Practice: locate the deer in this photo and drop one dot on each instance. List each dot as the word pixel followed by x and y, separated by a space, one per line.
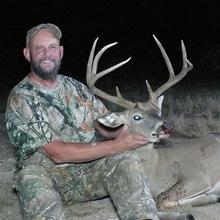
pixel 180 177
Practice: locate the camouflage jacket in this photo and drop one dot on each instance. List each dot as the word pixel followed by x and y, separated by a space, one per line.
pixel 36 116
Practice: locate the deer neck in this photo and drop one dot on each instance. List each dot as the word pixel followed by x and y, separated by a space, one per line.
pixel 148 153
pixel 153 153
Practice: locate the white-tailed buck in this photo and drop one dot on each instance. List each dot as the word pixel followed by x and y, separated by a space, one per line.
pixel 180 177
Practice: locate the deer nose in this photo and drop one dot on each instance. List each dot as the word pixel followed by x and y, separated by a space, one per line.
pixel 154 135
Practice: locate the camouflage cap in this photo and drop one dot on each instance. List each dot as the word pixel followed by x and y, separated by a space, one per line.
pixel 48 26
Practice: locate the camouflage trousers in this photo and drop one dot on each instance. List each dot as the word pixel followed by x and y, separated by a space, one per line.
pixel 44 192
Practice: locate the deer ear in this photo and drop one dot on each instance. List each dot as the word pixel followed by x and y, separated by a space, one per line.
pixel 112 120
pixel 159 103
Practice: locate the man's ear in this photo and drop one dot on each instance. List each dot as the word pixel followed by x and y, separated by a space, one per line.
pixel 26 53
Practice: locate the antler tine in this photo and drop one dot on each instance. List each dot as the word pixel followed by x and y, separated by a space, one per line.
pixel 173 79
pixel 92 76
pixel 90 62
pixel 165 56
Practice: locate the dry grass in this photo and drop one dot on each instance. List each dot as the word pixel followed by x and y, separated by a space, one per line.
pixel 194 113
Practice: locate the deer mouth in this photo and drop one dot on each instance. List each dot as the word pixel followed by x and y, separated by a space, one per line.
pixel 165 132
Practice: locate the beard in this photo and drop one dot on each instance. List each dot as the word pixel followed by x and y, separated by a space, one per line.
pixel 45 74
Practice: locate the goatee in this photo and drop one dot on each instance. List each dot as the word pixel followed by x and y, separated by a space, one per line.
pixel 46 74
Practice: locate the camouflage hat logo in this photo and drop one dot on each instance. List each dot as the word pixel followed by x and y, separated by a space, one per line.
pixel 48 26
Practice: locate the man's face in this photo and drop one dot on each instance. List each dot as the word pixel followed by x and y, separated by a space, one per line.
pixel 45 55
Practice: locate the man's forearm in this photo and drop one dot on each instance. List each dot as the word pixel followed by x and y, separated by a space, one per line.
pixel 61 152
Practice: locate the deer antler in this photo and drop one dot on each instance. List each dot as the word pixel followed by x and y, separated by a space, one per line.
pixel 173 79
pixel 92 76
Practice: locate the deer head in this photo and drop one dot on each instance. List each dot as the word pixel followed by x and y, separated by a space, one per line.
pixel 141 117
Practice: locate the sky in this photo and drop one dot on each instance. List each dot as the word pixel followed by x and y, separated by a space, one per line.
pixel 130 23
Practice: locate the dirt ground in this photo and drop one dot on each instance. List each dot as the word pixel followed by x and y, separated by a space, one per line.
pixel 9 204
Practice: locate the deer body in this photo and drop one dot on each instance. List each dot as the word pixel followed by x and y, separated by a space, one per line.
pixel 178 173
pixel 182 171
pixel 182 174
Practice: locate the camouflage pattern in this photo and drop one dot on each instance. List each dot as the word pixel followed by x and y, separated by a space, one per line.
pixel 35 117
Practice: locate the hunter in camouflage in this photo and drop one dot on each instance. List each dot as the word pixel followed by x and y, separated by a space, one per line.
pixel 36 116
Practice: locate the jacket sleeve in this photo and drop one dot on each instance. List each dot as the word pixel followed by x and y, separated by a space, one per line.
pixel 24 126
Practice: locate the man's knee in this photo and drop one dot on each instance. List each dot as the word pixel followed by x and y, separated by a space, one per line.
pixel 37 195
pixel 32 170
pixel 128 162
pixel 129 158
pixel 31 179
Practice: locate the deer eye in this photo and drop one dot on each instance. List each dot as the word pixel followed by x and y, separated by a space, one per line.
pixel 137 117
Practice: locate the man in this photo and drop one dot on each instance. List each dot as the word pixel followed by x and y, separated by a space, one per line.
pixel 50 119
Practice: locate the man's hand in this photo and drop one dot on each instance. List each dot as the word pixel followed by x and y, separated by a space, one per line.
pixel 128 141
